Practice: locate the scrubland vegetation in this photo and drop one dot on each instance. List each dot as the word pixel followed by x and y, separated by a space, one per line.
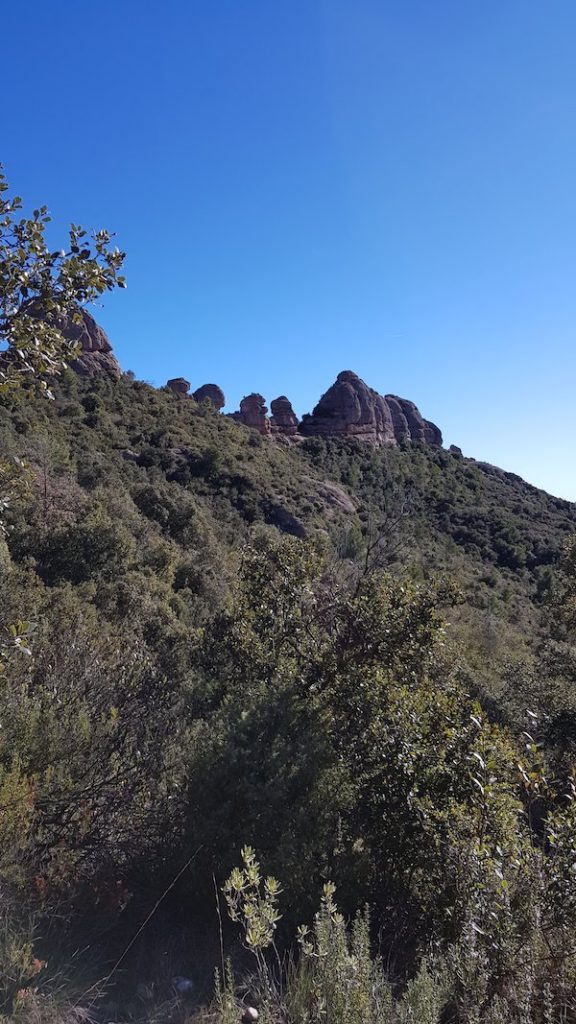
pixel 301 714
pixel 377 701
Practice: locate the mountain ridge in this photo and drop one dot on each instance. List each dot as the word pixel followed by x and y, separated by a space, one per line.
pixel 349 407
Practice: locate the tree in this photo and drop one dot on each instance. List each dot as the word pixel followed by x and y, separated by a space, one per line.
pixel 41 289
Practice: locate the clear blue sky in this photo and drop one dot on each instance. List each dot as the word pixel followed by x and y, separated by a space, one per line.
pixel 305 186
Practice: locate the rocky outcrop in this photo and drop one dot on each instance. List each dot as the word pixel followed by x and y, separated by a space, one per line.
pixel 253 413
pixel 179 385
pixel 211 393
pixel 413 418
pixel 348 409
pixel 95 351
pixel 283 419
pixel 352 409
pixel 399 422
pixel 207 392
pixel 420 431
pixel 333 496
pixel 96 355
pixel 432 434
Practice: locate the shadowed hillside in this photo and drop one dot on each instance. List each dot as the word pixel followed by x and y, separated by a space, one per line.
pixel 219 638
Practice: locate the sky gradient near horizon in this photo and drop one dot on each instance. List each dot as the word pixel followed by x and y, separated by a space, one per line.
pixel 306 186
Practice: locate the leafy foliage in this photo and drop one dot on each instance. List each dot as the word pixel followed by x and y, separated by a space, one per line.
pixel 40 289
pixel 359 662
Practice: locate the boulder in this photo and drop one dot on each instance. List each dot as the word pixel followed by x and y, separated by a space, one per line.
pixel 253 413
pixel 283 419
pixel 211 393
pixel 179 385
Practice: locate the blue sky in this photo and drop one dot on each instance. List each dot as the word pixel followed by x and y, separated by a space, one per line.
pixel 305 186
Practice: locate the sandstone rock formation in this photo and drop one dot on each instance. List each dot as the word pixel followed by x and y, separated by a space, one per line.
pixel 212 393
pixel 253 413
pixel 420 431
pixel 96 355
pixel 351 409
pixel 401 429
pixel 179 385
pixel 348 409
pixel 432 434
pixel 283 419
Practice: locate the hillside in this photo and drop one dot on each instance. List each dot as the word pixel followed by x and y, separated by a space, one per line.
pixel 133 488
pixel 216 618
